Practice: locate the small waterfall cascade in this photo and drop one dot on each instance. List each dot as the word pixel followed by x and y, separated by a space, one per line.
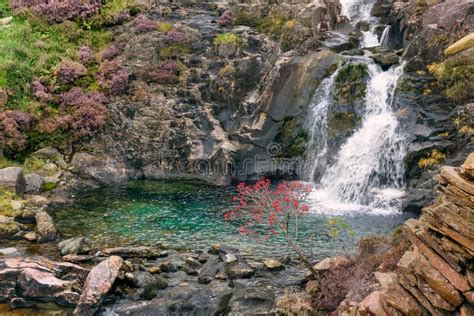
pixel 384 37
pixel 357 11
pixel 366 172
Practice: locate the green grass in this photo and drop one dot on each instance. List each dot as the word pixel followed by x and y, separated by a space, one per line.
pixel 31 48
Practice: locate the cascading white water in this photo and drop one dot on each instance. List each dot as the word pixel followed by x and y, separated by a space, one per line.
pixel 384 37
pixel 357 11
pixel 367 173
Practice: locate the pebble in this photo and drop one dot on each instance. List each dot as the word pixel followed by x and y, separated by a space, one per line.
pixel 229 258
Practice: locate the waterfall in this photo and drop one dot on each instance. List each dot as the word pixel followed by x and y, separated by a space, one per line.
pixel 367 171
pixel 357 11
pixel 384 37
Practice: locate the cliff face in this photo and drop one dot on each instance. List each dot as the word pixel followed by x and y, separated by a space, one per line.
pixel 233 103
pixel 436 275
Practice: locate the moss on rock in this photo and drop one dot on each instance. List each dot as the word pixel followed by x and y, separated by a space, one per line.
pixel 455 77
pixel 351 83
pixel 292 138
pixel 341 123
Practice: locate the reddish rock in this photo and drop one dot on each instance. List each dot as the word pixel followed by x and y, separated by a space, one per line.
pixel 373 305
pixel 97 285
pixel 40 279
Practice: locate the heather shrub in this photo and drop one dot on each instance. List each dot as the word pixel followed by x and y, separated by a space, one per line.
pixel 54 123
pixel 13 124
pixel 175 36
pixel 88 118
pixel 57 12
pixel 87 112
pixel 374 253
pixel 41 91
pixel 85 55
pixel 144 24
pixel 167 73
pixel 111 51
pixel 69 71
pixel 226 19
pixel 76 97
pixel 119 83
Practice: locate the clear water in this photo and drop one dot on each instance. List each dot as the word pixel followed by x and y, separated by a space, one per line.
pixel 189 215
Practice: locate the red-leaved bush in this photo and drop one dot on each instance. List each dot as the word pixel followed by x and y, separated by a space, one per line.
pixel 69 71
pixel 226 19
pixel 144 24
pixel 58 11
pixel 263 212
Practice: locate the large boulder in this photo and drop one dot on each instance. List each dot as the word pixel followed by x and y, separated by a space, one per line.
pixel 76 245
pixel 97 285
pixel 34 183
pixel 40 279
pixel 320 15
pixel 103 170
pixel 13 178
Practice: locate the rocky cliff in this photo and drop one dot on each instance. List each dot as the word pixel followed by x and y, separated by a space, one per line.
pixel 435 276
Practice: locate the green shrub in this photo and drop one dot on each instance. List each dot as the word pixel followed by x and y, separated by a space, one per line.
pixel 456 78
pixel 227 39
pixel 49 186
pixel 172 51
pixel 433 159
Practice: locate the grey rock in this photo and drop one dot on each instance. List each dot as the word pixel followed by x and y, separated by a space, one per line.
pixel 208 271
pixel 133 252
pixel 10 252
pixel 13 178
pixel 76 245
pixel 103 170
pixel 149 284
pixel 273 265
pixel 385 60
pixel 45 226
pixel 239 269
